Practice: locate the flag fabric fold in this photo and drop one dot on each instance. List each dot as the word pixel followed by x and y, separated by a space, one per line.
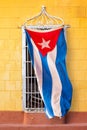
pixel 48 54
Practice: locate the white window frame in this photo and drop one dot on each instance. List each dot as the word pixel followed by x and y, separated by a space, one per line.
pixel 24 76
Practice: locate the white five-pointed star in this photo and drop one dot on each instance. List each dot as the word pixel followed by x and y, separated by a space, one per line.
pixel 44 44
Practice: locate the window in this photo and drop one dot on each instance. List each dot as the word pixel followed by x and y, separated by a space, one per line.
pixel 32 101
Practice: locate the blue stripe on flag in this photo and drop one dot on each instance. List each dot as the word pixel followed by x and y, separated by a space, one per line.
pixel 30 47
pixel 47 85
pixel 66 95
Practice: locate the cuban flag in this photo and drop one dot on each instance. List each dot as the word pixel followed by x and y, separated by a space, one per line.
pixel 48 54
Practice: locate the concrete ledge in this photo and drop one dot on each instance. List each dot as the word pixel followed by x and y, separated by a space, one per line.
pixel 38 121
pixel 43 127
pixel 19 117
pixel 76 117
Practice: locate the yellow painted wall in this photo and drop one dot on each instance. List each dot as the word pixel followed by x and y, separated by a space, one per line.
pixel 12 14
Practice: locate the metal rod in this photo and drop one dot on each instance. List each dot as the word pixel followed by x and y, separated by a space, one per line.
pixel 35 27
pixel 43 11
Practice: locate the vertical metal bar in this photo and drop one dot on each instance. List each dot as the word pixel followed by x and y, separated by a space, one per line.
pixel 35 92
pixel 38 101
pixel 31 86
pixel 31 96
pixel 24 67
pixel 27 74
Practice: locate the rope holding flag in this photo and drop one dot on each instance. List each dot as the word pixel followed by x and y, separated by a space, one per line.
pixel 48 55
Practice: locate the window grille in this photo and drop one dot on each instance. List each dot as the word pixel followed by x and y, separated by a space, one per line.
pixel 32 101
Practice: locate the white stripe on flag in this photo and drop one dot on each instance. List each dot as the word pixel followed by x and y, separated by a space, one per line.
pixel 37 66
pixel 56 83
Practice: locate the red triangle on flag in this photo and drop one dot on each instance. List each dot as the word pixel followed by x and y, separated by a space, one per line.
pixel 45 41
